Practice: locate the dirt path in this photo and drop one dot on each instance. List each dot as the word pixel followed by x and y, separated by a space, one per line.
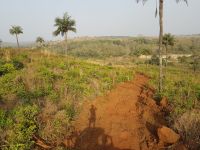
pixel 124 119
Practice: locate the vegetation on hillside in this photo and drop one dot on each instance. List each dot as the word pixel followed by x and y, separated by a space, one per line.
pixel 182 89
pixel 101 48
pixel 40 94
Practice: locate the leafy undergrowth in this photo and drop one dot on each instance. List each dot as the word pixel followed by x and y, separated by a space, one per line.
pixel 182 88
pixel 40 94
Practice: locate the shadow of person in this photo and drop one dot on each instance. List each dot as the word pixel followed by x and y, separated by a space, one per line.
pixel 89 139
pixel 94 139
pixel 92 118
pixel 107 142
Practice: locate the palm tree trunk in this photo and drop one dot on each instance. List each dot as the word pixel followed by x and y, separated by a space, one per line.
pixel 166 55
pixel 66 42
pixel 160 45
pixel 17 40
pixel 146 61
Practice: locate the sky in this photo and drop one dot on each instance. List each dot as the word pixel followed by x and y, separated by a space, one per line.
pixel 97 18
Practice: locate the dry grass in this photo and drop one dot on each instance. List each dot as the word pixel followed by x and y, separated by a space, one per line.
pixel 188 126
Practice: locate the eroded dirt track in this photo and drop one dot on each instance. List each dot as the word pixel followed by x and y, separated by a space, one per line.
pixel 124 119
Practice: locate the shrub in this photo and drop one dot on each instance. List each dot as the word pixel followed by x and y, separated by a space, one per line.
pixel 17 64
pixel 188 126
pixel 53 96
pixel 28 96
pixel 5 121
pixel 8 84
pixel 157 97
pixel 56 127
pixel 6 68
pixel 70 111
pixel 20 137
pixel 197 92
pixel 154 60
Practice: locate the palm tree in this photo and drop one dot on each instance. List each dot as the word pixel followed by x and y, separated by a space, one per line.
pixel 16 30
pixel 168 40
pixel 1 42
pixel 64 25
pixel 161 3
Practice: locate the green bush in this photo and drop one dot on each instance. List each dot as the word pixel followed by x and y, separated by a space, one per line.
pixel 154 60
pixel 197 92
pixel 17 64
pixel 5 121
pixel 8 85
pixel 23 129
pixel 28 96
pixel 53 96
pixel 6 68
pixel 70 111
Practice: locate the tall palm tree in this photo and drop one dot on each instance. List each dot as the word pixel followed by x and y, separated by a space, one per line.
pixel 168 40
pixel 64 25
pixel 161 3
pixel 16 30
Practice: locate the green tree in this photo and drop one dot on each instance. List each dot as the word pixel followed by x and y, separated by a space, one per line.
pixel 24 127
pixel 161 4
pixel 64 25
pixel 195 61
pixel 39 41
pixel 16 30
pixel 168 40
pixel 146 52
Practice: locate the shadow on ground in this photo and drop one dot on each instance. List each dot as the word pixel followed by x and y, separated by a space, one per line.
pixel 91 138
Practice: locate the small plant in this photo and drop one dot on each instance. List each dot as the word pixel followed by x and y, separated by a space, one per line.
pixel 70 111
pixel 157 97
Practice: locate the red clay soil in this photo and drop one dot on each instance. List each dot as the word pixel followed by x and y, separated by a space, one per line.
pixel 125 119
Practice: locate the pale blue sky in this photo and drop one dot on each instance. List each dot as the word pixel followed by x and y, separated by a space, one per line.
pixel 96 17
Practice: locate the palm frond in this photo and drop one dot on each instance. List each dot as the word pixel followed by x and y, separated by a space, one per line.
pixel 56 32
pixel 16 30
pixel 186 1
pixel 143 1
pixel 73 29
